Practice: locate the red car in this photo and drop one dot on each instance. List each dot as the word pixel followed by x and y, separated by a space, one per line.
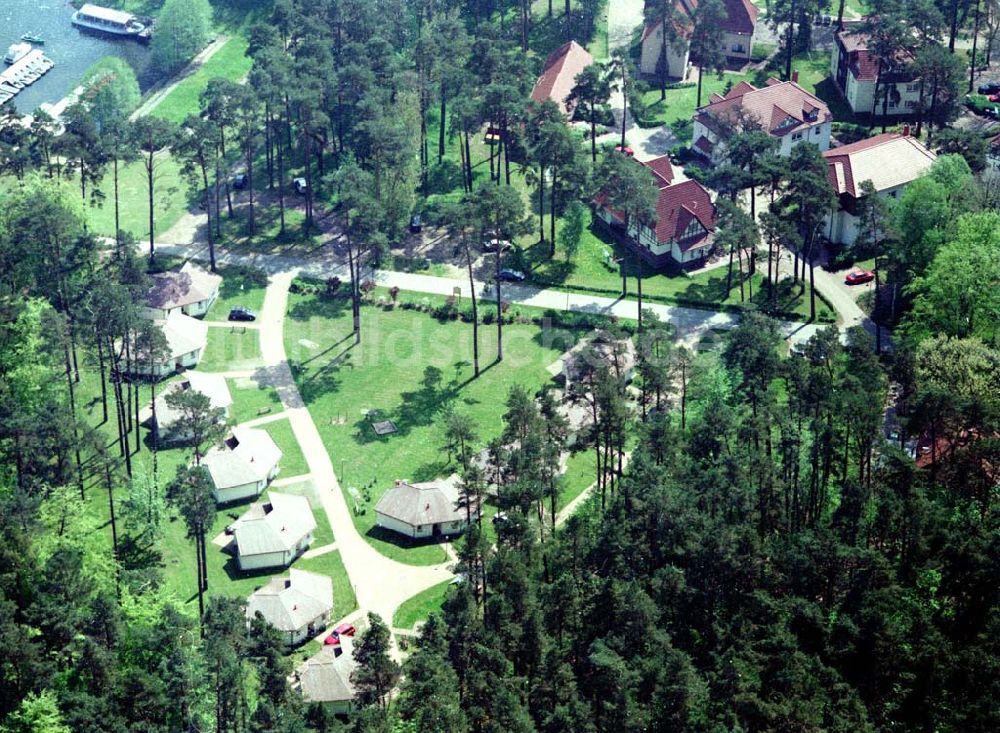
pixel 628 152
pixel 332 640
pixel 345 630
pixel 994 97
pixel 856 277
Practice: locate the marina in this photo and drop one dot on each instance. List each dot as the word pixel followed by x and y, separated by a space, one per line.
pixel 73 49
pixel 27 68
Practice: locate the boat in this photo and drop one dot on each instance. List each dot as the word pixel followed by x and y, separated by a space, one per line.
pixel 33 38
pixel 112 22
pixel 16 52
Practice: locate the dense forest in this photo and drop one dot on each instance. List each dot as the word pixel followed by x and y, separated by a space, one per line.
pixel 776 542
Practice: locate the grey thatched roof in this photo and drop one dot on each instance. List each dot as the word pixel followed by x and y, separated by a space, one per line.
pixel 326 677
pixel 417 504
pixel 178 289
pixel 275 525
pixel 291 603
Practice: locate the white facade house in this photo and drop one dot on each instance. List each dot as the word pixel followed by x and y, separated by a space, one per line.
pixel 739 27
pixel 684 227
pixel 326 677
pixel 243 465
pixel 274 532
pixel 213 386
pixel 298 606
pixel 786 111
pixel 855 70
pixel 421 510
pixel 891 161
pixel 186 338
pixel 191 290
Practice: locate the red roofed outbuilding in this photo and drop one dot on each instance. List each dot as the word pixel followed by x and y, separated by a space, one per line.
pixel 739 27
pixel 559 75
pixel 684 229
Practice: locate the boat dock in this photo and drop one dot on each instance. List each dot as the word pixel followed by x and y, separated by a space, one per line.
pixel 23 73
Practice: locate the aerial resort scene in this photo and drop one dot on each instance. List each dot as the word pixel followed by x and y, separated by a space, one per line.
pixel 499 366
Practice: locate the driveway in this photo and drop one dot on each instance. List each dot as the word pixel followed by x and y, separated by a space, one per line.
pixel 623 18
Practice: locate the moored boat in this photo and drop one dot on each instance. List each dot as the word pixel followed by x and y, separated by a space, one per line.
pixel 33 38
pixel 112 22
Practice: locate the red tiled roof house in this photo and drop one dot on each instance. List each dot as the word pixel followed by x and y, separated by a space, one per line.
pixel 684 230
pixel 559 75
pixel 785 110
pixel 854 68
pixel 739 26
pixel 891 161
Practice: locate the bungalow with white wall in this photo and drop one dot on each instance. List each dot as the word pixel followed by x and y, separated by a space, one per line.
pixel 684 228
pixel 855 70
pixel 186 338
pixel 298 606
pixel 418 510
pixel 243 465
pixel 213 386
pixel 191 290
pixel 325 677
pixel 739 26
pixel 273 533
pixel 783 109
pixel 890 161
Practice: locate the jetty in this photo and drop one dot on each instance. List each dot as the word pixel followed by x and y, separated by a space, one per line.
pixel 23 73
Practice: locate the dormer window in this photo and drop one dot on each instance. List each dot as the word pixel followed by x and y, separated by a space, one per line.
pixel 693 229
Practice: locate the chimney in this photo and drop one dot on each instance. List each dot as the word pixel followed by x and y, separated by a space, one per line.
pixel 795 76
pixel 906 130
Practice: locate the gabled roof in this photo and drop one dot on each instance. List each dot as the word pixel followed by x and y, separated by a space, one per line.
pixel 887 160
pixel 741 17
pixel 326 676
pixel 213 386
pixel 275 525
pixel 560 72
pixel 417 504
pixel 290 603
pixel 677 205
pixel 781 107
pixel 247 456
pixel 176 289
pixel 862 63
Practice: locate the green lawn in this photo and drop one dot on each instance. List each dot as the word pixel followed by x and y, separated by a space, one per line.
pixel 229 62
pixel 581 472
pixel 680 104
pixel 229 348
pixel 252 400
pixel 170 199
pixel 590 270
pixel 293 462
pixel 238 288
pixel 420 606
pixel 411 368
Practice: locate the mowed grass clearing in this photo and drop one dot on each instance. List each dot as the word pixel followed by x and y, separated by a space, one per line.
pixel 412 369
pixel 229 62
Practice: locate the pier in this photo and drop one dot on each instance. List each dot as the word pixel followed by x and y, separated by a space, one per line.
pixel 23 73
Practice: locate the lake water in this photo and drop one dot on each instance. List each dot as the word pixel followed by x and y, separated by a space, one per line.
pixel 73 51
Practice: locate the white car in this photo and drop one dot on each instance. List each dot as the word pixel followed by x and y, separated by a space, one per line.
pixel 300 185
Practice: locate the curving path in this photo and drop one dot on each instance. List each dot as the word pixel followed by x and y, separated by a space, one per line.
pixel 380 584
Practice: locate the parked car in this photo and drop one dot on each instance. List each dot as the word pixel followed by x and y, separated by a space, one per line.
pixel 332 640
pixel 494 245
pixel 992 87
pixel 858 276
pixel 240 181
pixel 511 276
pixel 994 97
pixel 415 224
pixel 625 150
pixel 242 313
pixel 300 186
pixel 345 630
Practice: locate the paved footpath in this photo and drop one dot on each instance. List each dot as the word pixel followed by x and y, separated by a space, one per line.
pixel 380 584
pixel 689 323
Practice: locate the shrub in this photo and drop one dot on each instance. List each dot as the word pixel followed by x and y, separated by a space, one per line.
pixel 332 285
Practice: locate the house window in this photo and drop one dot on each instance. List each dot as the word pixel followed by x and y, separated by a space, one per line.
pixel 913 87
pixel 797 136
pixel 911 105
pixel 816 131
pixel 738 48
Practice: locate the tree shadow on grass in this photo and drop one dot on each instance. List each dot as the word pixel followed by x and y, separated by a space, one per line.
pixel 713 290
pixel 319 306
